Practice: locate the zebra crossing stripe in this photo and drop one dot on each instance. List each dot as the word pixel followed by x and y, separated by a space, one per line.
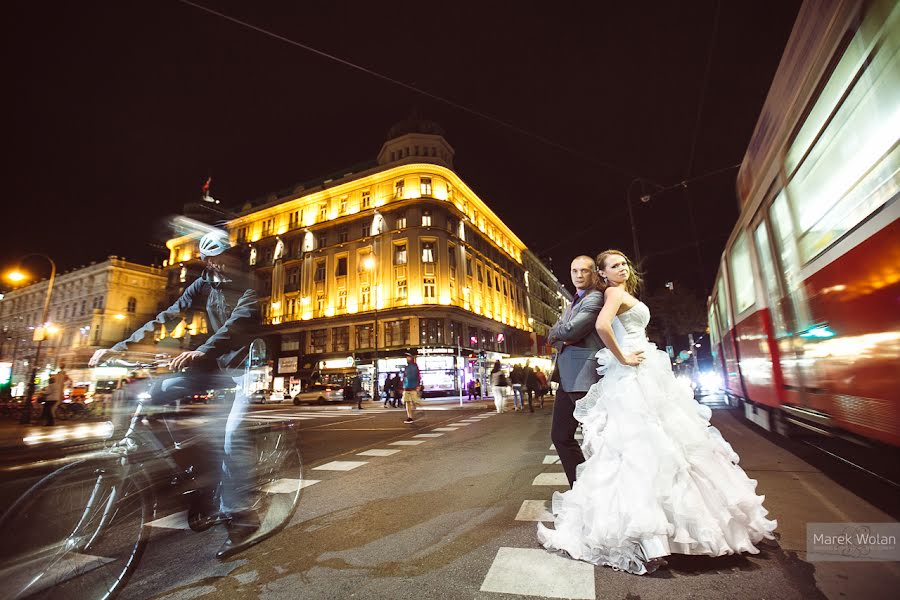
pixel 288 486
pixel 177 520
pixel 536 572
pixel 340 465
pixel 556 479
pixel 535 510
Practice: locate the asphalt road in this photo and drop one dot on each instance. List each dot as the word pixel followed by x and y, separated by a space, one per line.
pixel 453 514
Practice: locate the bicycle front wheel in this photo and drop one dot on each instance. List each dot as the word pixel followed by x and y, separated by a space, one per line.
pixel 279 477
pixel 79 532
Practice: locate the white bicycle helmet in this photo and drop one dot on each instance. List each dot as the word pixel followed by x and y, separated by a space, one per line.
pixel 214 243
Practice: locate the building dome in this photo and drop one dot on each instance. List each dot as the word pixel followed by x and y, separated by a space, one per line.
pixel 415 139
pixel 414 124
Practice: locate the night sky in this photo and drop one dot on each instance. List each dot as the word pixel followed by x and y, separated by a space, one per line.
pixel 121 109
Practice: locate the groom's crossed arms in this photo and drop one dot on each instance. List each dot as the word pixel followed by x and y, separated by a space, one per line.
pixel 578 322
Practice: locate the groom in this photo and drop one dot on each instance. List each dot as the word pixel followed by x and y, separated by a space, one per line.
pixel 576 340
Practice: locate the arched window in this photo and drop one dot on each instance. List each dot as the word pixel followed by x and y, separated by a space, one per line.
pixel 132 305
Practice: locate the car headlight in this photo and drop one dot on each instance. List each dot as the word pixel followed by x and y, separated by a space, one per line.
pixel 711 380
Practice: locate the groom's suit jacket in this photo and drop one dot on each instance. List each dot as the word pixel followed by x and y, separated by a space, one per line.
pixel 575 335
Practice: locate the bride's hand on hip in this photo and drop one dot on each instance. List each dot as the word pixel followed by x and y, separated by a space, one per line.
pixel 633 359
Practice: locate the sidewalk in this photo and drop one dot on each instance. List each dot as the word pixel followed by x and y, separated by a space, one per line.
pixel 452 403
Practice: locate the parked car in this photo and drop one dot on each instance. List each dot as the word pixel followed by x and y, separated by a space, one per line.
pixel 260 396
pixel 319 394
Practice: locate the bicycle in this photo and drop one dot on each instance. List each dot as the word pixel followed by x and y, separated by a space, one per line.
pixel 81 530
pixel 78 410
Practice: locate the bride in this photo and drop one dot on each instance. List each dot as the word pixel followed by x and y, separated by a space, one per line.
pixel 657 479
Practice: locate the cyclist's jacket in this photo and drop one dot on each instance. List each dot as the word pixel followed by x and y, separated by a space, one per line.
pixel 232 317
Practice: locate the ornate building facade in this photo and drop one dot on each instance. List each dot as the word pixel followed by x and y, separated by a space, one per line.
pixel 91 307
pixel 401 254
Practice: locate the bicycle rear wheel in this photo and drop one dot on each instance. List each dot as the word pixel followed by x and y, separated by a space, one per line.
pixel 79 532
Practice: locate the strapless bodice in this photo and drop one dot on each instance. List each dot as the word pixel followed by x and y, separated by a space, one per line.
pixel 634 321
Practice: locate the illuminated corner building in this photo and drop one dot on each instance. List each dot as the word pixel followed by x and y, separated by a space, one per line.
pixel 90 307
pixel 402 241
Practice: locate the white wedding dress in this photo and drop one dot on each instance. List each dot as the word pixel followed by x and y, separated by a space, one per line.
pixel 657 478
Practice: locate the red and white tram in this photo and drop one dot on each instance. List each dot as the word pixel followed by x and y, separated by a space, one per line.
pixel 805 312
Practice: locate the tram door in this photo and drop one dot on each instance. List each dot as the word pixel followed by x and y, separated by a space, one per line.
pixel 780 266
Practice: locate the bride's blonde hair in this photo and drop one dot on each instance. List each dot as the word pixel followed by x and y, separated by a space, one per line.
pixel 633 283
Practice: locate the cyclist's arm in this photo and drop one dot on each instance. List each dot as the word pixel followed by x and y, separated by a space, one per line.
pixel 236 331
pixel 165 317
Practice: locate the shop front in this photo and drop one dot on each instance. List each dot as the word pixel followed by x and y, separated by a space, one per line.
pixel 442 370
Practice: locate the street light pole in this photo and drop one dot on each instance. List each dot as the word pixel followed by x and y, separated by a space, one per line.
pixel 371 265
pixel 29 390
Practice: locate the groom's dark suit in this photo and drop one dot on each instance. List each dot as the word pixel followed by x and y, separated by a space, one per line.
pixel 577 340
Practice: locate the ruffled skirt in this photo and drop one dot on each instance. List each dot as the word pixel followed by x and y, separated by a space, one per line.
pixel 657 480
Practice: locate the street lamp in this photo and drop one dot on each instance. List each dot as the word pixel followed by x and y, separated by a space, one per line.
pixel 40 333
pixel 369 264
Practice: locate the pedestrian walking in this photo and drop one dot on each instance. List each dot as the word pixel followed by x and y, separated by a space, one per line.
pixel 48 401
pixel 531 385
pixel 499 384
pixel 397 391
pixel 357 390
pixel 62 380
pixel 545 386
pixel 517 378
pixel 470 388
pixel 388 390
pixel 412 382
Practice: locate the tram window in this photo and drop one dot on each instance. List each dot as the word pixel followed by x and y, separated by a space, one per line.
pixel 724 315
pixel 770 278
pixel 786 249
pixel 741 275
pixel 851 170
pixel 713 326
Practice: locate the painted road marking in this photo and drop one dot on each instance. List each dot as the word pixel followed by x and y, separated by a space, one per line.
pixel 536 572
pixel 407 443
pixel 551 479
pixel 535 510
pixel 340 465
pixel 288 486
pixel 177 520
pixel 379 452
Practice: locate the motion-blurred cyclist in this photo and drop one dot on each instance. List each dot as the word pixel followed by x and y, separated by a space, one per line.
pixel 225 294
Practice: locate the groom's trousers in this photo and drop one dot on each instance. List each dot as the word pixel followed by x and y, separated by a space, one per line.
pixel 562 432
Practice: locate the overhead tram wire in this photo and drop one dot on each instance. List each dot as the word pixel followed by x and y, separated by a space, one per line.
pixel 412 88
pixel 646 197
pixel 700 105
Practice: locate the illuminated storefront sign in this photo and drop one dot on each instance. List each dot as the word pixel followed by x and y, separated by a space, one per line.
pixel 5 372
pixel 338 363
pixel 287 365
